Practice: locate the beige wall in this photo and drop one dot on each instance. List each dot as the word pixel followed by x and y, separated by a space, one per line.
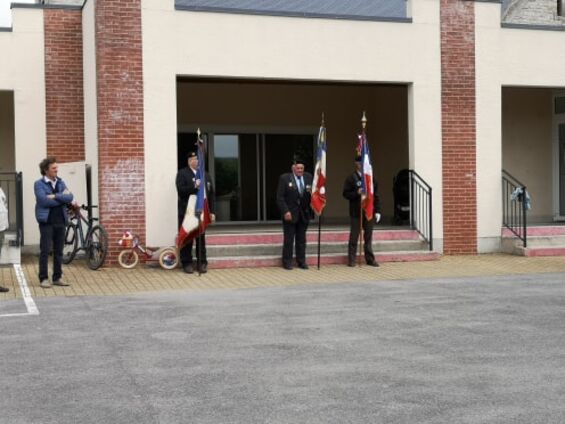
pixel 7 145
pixel 527 145
pixel 508 57
pixel 299 107
pixel 192 44
pixel 22 71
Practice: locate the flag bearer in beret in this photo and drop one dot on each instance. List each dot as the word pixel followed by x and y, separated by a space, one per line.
pixel 188 182
pixel 352 192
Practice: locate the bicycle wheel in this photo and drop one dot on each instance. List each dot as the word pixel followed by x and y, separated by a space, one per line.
pixel 169 259
pixel 97 247
pixel 128 258
pixel 70 246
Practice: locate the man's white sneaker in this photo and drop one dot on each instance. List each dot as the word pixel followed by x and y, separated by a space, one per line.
pixel 45 284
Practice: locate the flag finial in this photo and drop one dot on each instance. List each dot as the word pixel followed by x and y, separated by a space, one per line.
pixel 323 119
pixel 364 120
pixel 198 132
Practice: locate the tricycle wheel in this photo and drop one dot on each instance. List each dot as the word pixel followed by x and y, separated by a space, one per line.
pixel 128 258
pixel 168 259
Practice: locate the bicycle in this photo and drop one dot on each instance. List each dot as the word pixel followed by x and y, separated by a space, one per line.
pixel 94 242
pixel 129 257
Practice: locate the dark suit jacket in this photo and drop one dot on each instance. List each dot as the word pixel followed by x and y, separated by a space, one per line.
pixel 186 186
pixel 289 199
pixel 350 187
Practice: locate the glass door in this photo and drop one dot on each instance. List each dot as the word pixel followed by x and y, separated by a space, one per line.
pixel 559 155
pixel 561 141
pixel 279 153
pixel 246 169
pixel 236 177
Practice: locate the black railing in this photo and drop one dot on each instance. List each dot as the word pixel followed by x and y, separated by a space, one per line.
pixel 11 184
pixel 421 208
pixel 514 207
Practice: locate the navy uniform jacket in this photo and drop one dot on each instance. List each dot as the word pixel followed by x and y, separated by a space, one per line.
pixel 350 192
pixel 186 186
pixel 289 199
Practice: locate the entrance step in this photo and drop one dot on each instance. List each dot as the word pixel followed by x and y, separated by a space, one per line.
pixel 542 241
pixel 312 260
pixel 264 249
pixel 10 252
pixel 311 248
pixel 276 237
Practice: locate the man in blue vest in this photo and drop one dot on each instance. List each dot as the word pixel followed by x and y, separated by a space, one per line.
pixel 51 195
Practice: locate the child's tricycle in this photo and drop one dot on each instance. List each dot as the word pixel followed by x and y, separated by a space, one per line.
pixel 129 257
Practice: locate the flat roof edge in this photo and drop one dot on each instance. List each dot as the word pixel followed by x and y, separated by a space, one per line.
pixel 235 11
pixel 45 6
pixel 536 27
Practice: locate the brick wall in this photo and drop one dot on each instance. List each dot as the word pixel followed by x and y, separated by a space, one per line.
pixel 458 127
pixel 120 118
pixel 64 84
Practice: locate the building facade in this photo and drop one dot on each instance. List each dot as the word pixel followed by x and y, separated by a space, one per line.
pixel 456 90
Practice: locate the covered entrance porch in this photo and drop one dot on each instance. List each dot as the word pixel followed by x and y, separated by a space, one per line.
pixel 533 158
pixel 254 129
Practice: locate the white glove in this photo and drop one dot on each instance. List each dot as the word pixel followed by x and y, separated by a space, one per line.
pixel 377 217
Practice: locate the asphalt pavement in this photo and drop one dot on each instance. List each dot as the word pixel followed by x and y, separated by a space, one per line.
pixel 448 350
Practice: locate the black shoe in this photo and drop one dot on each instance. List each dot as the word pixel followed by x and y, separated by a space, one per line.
pixel 351 264
pixel 372 263
pixel 287 267
pixel 4 290
pixel 303 266
pixel 188 268
pixel 203 269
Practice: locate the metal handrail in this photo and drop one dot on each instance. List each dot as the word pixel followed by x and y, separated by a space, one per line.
pixel 421 218
pixel 514 210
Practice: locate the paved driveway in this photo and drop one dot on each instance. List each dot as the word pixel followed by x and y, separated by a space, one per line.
pixel 466 350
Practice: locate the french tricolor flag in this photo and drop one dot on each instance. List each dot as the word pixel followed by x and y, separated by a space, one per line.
pixel 202 207
pixel 367 185
pixel 318 201
pixel 197 215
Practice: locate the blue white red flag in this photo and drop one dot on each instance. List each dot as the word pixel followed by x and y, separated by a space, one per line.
pixel 197 214
pixel 318 201
pixel 367 186
pixel 202 206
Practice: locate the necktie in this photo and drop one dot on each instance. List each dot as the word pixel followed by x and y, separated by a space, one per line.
pixel 300 186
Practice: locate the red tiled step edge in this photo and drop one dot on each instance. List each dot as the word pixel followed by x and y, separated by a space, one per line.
pixel 275 261
pixel 544 251
pixel 539 231
pixel 311 237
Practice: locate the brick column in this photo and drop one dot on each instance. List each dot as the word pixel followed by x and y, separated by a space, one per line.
pixel 458 127
pixel 64 84
pixel 120 118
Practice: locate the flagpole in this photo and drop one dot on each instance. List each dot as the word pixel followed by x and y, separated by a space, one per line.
pixel 320 216
pixel 361 232
pixel 197 240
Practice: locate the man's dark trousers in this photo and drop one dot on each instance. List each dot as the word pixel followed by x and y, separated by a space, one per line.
pixel 367 239
pixel 186 251
pixel 294 233
pixel 51 235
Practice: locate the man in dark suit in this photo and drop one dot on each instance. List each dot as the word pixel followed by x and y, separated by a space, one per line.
pixel 352 192
pixel 293 199
pixel 188 182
